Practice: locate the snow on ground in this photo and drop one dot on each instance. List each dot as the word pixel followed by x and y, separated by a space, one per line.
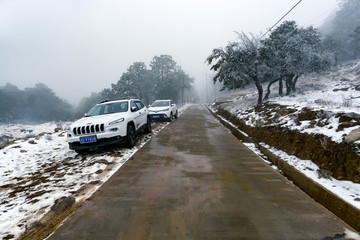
pixel 39 168
pixel 332 92
pixel 37 171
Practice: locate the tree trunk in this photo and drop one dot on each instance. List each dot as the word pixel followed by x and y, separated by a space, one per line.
pixel 336 60
pixel 260 90
pixel 293 84
pixel 182 95
pixel 281 87
pixel 288 81
pixel 287 86
pixel 268 88
pixel 357 48
pixel 141 95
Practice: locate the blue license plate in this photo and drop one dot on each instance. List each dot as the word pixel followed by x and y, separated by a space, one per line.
pixel 88 139
pixel 156 116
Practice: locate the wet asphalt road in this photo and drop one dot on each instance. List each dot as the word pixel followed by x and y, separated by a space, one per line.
pixel 194 180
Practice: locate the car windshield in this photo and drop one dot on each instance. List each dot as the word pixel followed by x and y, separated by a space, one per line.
pixel 108 108
pixel 160 104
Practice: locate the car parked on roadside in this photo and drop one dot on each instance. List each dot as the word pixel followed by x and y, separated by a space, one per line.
pixel 110 122
pixel 163 110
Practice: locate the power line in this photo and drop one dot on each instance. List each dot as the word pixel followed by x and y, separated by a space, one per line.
pixel 281 19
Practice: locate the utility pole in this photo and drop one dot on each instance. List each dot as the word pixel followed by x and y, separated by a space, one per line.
pixel 206 97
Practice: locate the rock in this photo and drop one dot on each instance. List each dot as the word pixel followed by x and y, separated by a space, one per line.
pixel 307 114
pixel 351 115
pixel 353 136
pixel 344 125
pixel 4 141
pixel 8 237
pixel 340 89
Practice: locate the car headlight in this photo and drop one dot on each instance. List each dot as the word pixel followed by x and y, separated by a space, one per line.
pixel 165 110
pixel 116 121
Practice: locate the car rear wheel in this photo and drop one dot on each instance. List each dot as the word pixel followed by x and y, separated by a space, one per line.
pixel 148 128
pixel 171 117
pixel 130 137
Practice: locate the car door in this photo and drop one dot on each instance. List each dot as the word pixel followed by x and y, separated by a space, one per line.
pixel 142 112
pixel 136 114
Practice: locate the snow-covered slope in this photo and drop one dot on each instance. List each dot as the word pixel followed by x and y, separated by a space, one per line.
pixel 331 93
pixel 337 90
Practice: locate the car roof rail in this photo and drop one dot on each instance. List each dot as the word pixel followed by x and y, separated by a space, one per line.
pixel 116 99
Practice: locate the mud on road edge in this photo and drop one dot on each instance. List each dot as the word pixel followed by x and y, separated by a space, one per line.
pixel 345 211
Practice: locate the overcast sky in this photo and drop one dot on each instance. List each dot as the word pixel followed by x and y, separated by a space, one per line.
pixel 77 47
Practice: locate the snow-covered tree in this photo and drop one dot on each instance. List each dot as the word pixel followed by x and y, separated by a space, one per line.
pixel 184 82
pixel 87 103
pixel 239 64
pixel 355 41
pixel 163 69
pixel 165 80
pixel 290 52
pixel 284 56
pixel 135 82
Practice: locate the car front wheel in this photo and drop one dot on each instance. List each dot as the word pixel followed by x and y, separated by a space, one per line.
pixel 130 137
pixel 81 151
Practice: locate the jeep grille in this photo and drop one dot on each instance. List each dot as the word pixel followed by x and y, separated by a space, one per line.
pixel 89 129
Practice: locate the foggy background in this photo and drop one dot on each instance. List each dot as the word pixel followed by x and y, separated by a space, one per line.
pixel 79 47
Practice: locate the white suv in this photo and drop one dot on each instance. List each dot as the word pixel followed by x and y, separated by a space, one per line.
pixel 109 122
pixel 161 110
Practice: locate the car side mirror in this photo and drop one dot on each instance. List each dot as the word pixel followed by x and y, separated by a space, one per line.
pixel 133 109
pixel 86 115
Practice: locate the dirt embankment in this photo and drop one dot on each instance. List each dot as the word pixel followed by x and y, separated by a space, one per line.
pixel 340 160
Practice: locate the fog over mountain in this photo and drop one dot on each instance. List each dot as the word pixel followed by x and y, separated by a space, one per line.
pixel 79 47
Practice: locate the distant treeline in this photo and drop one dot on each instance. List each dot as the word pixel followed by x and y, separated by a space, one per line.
pixel 36 104
pixel 164 80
